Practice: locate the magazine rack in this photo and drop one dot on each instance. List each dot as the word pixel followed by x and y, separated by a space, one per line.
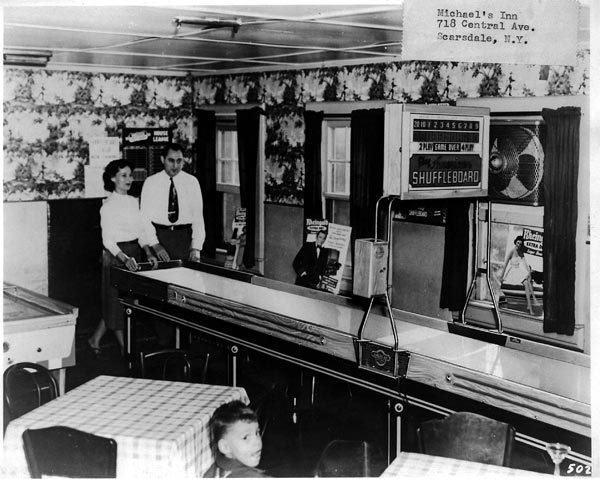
pixel 371 355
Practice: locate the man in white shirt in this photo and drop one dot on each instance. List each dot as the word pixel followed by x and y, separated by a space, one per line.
pixel 171 205
pixel 172 212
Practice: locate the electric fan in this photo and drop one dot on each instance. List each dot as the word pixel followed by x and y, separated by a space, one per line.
pixel 516 164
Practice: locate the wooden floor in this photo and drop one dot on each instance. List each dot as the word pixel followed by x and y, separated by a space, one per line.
pixel 292 442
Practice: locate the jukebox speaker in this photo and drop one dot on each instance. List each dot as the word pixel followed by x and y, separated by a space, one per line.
pixel 370 268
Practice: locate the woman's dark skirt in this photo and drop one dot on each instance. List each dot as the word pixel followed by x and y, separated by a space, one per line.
pixel 112 310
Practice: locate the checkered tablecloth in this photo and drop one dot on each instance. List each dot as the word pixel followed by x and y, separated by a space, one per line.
pixel 160 426
pixel 410 464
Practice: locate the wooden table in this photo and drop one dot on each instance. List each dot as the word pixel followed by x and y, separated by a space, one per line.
pixel 160 426
pixel 411 464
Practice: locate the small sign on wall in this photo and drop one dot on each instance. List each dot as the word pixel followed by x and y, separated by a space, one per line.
pixel 492 31
pixel 146 136
pixel 94 184
pixel 103 149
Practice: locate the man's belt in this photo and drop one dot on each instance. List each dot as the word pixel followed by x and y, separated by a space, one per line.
pixel 171 227
pixel 127 243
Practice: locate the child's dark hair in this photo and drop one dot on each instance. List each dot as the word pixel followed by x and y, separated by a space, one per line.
pixel 111 170
pixel 226 415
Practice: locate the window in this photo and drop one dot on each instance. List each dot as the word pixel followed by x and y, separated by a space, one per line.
pixel 515 182
pixel 227 156
pixel 338 158
pixel 516 166
pixel 336 181
pixel 228 180
pixel 337 171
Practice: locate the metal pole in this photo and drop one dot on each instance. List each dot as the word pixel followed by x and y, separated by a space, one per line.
pixel 377 215
pixel 392 322
pixel 475 268
pixel 487 268
pixel 389 241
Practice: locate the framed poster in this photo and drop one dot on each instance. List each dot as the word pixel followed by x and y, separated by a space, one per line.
pixel 517 268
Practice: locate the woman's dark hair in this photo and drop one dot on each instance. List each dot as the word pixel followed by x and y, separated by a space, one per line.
pixel 111 170
pixel 225 416
pixel 171 146
pixel 519 238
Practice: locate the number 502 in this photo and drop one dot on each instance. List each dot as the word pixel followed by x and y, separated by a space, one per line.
pixel 579 469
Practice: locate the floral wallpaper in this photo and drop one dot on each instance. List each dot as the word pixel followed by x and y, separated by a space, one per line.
pixel 48 115
pixel 285 93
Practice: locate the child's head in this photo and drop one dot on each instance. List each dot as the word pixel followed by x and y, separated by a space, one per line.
pixel 235 433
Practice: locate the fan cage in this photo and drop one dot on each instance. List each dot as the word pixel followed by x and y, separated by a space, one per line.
pixel 517 162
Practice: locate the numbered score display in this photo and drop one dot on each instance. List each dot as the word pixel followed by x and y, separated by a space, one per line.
pixel 436 151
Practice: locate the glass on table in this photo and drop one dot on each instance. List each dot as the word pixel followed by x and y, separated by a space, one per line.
pixel 557 452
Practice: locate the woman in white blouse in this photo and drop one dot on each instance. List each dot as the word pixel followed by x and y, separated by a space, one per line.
pixel 123 240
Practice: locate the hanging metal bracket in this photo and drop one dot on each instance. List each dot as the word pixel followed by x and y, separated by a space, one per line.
pixel 374 356
pixel 377 357
pixel 391 200
pixel 483 271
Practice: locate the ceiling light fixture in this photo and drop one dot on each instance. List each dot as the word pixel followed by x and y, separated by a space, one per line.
pixel 26 58
pixel 209 23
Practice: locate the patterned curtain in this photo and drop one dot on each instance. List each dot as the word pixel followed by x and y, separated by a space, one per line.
pixel 248 129
pixel 561 168
pixel 313 204
pixel 366 170
pixel 456 255
pixel 206 172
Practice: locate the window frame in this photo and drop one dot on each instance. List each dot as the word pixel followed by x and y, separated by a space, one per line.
pixel 521 215
pixel 329 123
pixel 224 124
pixel 329 161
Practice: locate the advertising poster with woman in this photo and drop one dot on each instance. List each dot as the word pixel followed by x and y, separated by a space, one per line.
pixel 518 271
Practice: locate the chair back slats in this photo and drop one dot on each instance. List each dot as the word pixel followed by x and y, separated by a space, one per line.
pixel 174 365
pixel 26 387
pixel 67 452
pixel 468 436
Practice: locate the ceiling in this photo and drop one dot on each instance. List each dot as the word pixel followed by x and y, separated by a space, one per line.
pixel 263 37
pixel 253 38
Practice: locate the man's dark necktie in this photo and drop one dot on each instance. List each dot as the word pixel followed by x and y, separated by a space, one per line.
pixel 173 203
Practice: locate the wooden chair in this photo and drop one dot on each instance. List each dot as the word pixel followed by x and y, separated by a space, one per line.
pixel 266 407
pixel 66 452
pixel 468 436
pixel 174 365
pixel 26 387
pixel 344 458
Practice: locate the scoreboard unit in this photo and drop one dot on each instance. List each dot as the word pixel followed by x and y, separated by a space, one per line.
pixel 436 151
pixel 143 147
